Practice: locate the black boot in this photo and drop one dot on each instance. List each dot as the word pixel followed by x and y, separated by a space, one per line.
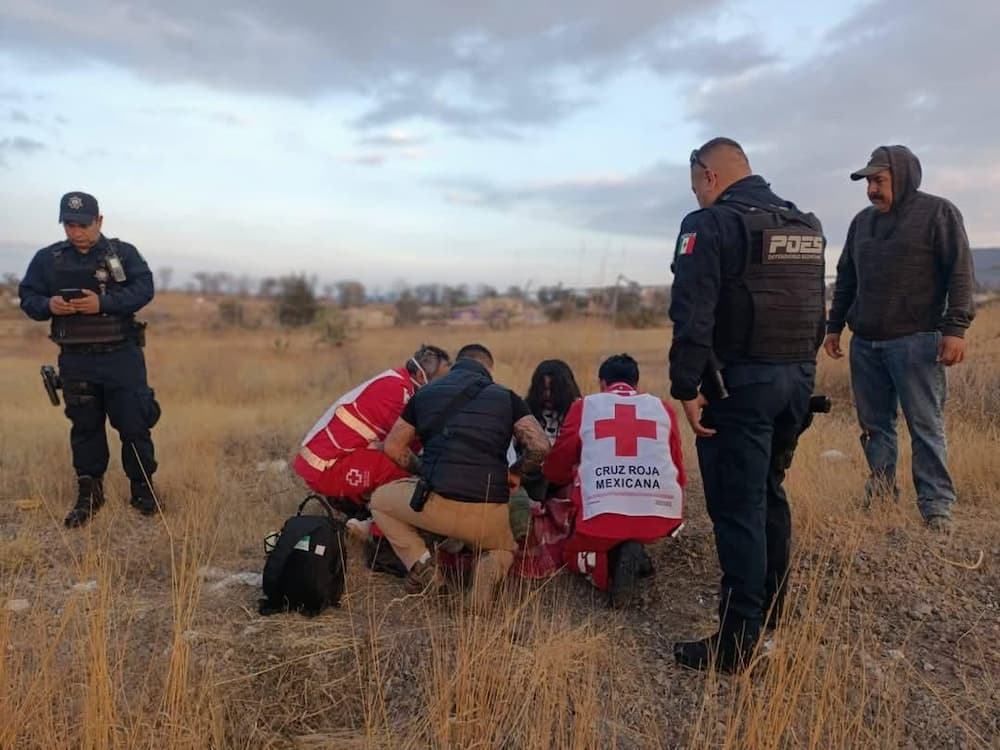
pixel 89 499
pixel 627 563
pixel 144 500
pixel 727 652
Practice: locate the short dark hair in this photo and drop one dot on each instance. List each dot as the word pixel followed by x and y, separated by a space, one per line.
pixel 620 368
pixel 709 146
pixel 477 352
pixel 429 358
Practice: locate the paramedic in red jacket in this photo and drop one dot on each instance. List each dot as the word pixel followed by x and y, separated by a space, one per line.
pixel 342 456
pixel 621 449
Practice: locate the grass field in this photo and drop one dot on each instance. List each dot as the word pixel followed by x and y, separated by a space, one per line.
pixel 130 633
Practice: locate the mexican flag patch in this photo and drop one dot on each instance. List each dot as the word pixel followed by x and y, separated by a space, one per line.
pixel 685 244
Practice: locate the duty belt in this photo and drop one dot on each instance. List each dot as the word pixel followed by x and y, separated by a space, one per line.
pixel 94 348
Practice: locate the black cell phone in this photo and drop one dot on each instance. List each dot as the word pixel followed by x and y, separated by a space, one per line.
pixel 68 294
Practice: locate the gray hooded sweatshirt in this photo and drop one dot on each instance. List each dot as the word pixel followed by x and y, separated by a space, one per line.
pixel 906 271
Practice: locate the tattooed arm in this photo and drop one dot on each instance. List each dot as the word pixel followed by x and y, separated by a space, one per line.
pixel 534 442
pixel 397 446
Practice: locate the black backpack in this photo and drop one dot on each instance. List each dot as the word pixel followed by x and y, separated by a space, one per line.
pixel 304 571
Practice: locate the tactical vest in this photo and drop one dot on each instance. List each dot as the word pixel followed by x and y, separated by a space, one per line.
pixel 467 461
pixel 772 310
pixel 94 274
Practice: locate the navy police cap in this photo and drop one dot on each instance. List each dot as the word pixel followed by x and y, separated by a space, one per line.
pixel 78 208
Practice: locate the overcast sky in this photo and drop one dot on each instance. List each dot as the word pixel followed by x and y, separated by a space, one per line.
pixel 477 142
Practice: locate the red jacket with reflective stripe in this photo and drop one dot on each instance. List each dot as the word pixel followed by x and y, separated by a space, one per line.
pixel 362 416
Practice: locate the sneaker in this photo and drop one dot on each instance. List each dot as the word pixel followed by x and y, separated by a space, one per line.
pixel 89 499
pixel 939 524
pixel 144 499
pixel 423 577
pixel 628 562
pixel 723 654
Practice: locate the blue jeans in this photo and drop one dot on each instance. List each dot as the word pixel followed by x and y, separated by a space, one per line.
pixel 903 372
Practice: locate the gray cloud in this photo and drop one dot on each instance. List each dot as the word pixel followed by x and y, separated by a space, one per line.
pixel 910 71
pixel 709 57
pixel 917 72
pixel 647 203
pixel 479 68
pixel 20 117
pixel 18 146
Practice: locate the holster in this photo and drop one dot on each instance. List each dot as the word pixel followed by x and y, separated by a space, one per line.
pixel 421 491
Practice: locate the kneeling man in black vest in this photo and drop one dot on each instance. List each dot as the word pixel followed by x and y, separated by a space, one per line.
pixel 465 422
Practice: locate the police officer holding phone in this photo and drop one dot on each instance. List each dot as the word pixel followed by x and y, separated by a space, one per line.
pixel 90 287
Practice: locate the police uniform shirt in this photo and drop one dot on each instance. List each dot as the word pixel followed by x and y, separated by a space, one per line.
pixel 41 281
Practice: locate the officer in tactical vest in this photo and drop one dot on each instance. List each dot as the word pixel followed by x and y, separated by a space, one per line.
pixel 90 287
pixel 748 312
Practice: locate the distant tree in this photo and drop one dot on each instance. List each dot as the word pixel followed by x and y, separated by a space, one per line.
pixel 10 283
pixel 626 305
pixel 550 294
pixel 429 294
pixel 296 303
pixel 485 291
pixel 407 308
pixel 268 286
pixel 163 278
pixel 455 296
pixel 350 294
pixel 514 292
pixel 204 281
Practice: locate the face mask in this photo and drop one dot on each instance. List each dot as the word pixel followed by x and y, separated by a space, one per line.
pixel 422 371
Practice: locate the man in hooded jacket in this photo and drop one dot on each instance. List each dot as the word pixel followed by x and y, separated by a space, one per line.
pixel 904 285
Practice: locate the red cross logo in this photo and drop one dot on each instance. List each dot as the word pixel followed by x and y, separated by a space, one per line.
pixel 626 429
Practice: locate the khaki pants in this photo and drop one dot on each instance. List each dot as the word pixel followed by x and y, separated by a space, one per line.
pixel 484 526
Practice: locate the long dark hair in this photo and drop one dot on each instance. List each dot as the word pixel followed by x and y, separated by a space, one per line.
pixel 562 389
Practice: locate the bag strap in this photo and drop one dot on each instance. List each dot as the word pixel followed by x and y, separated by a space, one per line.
pixel 322 501
pixel 454 406
pixel 437 428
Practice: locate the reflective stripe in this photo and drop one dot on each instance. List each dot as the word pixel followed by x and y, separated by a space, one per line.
pixel 315 461
pixel 356 424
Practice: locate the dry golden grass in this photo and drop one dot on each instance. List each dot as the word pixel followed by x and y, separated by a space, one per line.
pixel 887 645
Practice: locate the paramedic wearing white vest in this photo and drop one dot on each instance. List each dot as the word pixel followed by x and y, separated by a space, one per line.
pixel 621 450
pixel 342 456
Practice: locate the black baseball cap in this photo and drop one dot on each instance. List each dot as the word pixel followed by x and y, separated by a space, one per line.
pixel 879 162
pixel 78 208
